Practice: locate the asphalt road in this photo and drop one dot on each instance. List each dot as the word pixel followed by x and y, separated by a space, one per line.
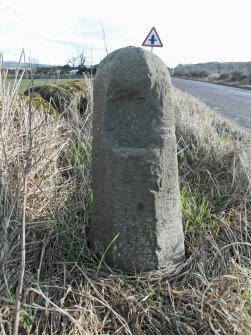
pixel 234 103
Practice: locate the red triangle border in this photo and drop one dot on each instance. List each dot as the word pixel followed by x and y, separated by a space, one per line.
pixel 153 46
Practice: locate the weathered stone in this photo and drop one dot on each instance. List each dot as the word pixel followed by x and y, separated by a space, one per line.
pixel 134 163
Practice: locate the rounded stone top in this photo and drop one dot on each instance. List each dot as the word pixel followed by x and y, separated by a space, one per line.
pixel 133 61
pixel 132 94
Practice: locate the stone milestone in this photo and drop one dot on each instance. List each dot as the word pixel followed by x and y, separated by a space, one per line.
pixel 134 164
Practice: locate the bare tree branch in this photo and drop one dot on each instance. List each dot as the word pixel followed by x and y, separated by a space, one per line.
pixel 104 37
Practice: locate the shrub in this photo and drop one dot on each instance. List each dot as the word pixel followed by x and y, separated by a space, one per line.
pixel 38 102
pixel 243 77
pixel 62 96
pixel 244 81
pixel 236 75
pixel 199 74
pixel 224 76
pixel 58 96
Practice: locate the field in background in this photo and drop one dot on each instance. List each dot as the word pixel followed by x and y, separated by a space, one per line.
pixel 46 200
pixel 26 83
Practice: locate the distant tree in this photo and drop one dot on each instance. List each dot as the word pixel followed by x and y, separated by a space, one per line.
pixel 79 62
pixel 243 77
pixel 236 75
pixel 224 76
pixel 203 74
pixel 199 74
pixel 94 69
pixel 81 58
pixel 72 61
pixel 180 71
pixel 66 68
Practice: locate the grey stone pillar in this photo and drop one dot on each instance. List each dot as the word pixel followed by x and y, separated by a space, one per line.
pixel 134 164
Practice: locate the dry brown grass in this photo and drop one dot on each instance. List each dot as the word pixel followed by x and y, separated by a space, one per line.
pixel 64 292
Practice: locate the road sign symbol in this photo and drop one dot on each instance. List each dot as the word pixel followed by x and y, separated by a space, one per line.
pixel 152 39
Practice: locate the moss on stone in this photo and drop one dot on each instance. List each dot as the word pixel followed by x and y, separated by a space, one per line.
pixel 38 102
pixel 60 96
pixel 75 86
pixel 57 96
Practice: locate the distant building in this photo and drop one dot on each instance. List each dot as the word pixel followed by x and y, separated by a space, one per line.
pixel 73 72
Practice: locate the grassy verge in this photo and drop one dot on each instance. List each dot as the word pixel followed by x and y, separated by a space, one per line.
pixel 45 174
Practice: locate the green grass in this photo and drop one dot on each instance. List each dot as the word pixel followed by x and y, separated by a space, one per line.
pixel 195 211
pixel 25 83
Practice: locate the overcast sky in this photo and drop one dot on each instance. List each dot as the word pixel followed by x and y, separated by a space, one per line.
pixel 192 31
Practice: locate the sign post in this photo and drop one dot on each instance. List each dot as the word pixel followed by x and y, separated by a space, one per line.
pixel 152 40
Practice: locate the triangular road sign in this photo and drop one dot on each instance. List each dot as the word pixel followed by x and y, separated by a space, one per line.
pixel 152 39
